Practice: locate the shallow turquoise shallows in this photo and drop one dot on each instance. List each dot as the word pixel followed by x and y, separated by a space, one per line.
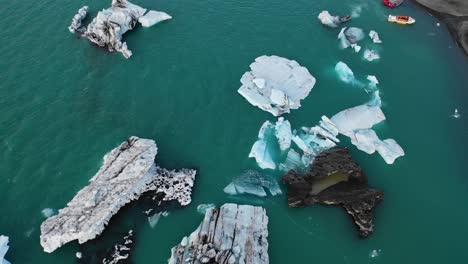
pixel 64 103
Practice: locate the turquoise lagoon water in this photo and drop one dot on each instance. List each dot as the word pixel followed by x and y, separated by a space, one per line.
pixel 64 103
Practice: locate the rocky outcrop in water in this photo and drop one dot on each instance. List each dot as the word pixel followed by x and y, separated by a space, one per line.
pixel 335 179
pixel 127 172
pixel 454 14
pixel 228 235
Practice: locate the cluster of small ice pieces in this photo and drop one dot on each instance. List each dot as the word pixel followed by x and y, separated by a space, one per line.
pixel 375 253
pixel 276 84
pixel 328 20
pixel 274 149
pixel 3 249
pixel 230 234
pixel 107 28
pixel 127 172
pixel 254 183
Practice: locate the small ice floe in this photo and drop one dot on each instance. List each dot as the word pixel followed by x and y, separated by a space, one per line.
pixel 372 81
pixel 76 21
pixel 276 84
pixel 356 47
pixel 328 20
pixel 370 55
pixel 374 36
pixel 201 208
pixel 78 255
pixel 3 249
pixel 344 73
pixel 47 212
pixel 456 114
pixel 154 219
pixel 254 183
pixel 153 17
pixel 438 24
pixel 375 253
pixel 349 36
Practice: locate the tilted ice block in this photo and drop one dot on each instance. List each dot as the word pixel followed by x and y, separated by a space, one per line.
pixel 3 249
pixel 329 126
pixel 252 182
pixel 283 133
pixel 371 55
pixel 374 36
pixel 389 150
pixel 358 117
pixel 328 20
pixel 276 84
pixel 344 72
pixel 153 17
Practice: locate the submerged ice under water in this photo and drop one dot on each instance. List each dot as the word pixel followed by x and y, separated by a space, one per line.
pixel 254 183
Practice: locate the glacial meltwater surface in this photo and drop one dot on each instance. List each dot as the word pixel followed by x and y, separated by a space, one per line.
pixel 64 103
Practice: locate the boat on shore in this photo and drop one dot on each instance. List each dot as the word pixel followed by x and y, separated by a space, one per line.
pixel 392 3
pixel 402 20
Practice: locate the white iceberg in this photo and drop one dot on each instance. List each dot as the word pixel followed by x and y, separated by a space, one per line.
pixel 349 36
pixel 356 47
pixel 276 84
pixel 371 55
pixel 368 141
pixel 3 249
pixel 153 17
pixel 358 117
pixel 283 133
pixel 202 208
pixel 372 81
pixel 261 150
pixel 344 72
pixel 374 36
pixel 76 21
pixel 252 182
pixel 328 20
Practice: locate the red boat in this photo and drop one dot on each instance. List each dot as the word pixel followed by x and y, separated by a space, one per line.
pixel 392 3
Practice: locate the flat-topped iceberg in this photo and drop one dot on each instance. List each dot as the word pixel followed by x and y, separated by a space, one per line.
pixel 153 17
pixel 230 234
pixel 3 249
pixel 276 84
pixel 76 21
pixel 253 182
pixel 107 28
pixel 358 117
pixel 126 173
pixel 328 20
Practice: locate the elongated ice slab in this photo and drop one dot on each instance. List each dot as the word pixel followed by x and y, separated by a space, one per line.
pixel 3 249
pixel 232 234
pixel 328 20
pixel 262 149
pixel 253 182
pixel 358 117
pixel 76 21
pixel 283 133
pixel 276 84
pixel 153 17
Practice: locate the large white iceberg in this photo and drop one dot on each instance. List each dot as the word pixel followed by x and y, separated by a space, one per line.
pixel 252 182
pixel 328 20
pixel 358 117
pixel 153 17
pixel 276 84
pixel 3 249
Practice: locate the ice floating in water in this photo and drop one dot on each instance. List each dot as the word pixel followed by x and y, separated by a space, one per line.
pixel 356 47
pixel 3 249
pixel 153 17
pixel 328 20
pixel 372 81
pixel 276 84
pixel 375 253
pixel 358 117
pixel 456 114
pixel 356 11
pixel 375 99
pixel 252 182
pixel 344 72
pixel 283 133
pixel 78 255
pixel 201 208
pixel 76 21
pixel 154 219
pixel 261 150
pixel 371 55
pixel 47 212
pixel 349 36
pixel 374 36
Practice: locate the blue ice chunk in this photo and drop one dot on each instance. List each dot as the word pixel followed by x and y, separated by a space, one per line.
pixel 254 183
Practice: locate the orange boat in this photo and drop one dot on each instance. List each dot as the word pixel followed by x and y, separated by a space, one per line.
pixel 402 20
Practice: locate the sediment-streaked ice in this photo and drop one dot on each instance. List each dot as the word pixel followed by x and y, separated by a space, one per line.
pixel 76 21
pixel 276 84
pixel 374 36
pixel 254 183
pixel 153 17
pixel 3 249
pixel 371 55
pixel 328 20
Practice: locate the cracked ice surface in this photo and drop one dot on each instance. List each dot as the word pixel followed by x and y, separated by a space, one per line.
pixel 3 249
pixel 276 84
pixel 252 182
pixel 328 20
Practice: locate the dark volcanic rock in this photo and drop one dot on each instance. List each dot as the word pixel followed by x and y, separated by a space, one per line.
pixel 335 179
